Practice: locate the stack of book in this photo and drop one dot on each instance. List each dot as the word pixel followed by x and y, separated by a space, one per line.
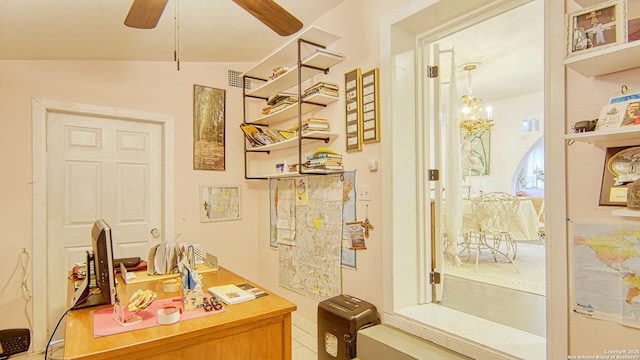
pixel 280 101
pixel 277 71
pixel 321 87
pixel 324 160
pixel 312 124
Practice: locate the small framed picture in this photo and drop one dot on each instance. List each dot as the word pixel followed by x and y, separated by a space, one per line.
pixel 220 203
pixel 596 27
pixel 356 233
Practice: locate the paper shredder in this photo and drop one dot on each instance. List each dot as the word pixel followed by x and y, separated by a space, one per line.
pixel 339 319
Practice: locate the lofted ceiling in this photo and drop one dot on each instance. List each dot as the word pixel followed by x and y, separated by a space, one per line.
pixel 209 30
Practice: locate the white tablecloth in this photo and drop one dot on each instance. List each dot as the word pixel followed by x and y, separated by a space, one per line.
pixel 524 226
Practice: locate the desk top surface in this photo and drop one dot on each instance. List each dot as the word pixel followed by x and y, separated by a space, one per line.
pixel 79 340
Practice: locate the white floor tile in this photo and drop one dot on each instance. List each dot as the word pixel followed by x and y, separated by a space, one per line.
pixel 309 342
pixel 303 353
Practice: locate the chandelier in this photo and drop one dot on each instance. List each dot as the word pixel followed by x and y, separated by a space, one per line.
pixel 470 119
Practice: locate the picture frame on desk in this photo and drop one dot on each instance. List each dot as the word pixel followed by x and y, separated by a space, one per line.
pixel 596 27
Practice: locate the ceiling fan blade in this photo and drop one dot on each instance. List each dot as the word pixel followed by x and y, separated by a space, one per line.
pixel 272 15
pixel 145 14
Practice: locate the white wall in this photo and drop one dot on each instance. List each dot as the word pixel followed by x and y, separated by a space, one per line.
pixel 242 246
pixel 508 145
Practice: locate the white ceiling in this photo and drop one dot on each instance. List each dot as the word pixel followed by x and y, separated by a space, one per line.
pixel 509 46
pixel 509 49
pixel 210 30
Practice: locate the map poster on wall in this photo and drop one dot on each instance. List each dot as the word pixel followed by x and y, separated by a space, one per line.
pixel 606 271
pixel 310 265
pixel 219 203
pixel 348 215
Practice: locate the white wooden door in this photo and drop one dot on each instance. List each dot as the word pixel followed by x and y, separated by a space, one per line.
pixel 99 168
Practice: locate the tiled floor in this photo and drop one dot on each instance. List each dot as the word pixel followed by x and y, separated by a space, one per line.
pixel 304 346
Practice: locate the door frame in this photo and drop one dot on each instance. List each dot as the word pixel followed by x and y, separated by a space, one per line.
pixel 40 110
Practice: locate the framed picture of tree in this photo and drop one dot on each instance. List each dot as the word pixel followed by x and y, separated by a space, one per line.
pixel 208 128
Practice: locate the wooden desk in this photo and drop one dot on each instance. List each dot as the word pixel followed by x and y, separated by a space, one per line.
pixel 257 329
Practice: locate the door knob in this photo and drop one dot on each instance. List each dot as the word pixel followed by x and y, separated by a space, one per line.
pixel 155 233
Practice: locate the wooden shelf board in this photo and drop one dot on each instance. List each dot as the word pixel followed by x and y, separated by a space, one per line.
pixel 607 60
pixel 284 55
pixel 289 143
pixel 626 212
pixel 289 112
pixel 616 134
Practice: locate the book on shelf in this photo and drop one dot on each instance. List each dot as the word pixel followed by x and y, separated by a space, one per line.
pixel 253 134
pixel 322 51
pixel 287 134
pixel 277 71
pixel 311 124
pixel 282 97
pixel 321 87
pixel 231 294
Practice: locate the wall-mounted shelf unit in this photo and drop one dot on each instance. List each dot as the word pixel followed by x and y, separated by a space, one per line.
pixel 604 135
pixel 626 212
pixel 304 57
pixel 607 60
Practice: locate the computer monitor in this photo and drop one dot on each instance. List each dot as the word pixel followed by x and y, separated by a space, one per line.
pixel 103 271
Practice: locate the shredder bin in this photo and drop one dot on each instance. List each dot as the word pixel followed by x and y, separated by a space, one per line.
pixel 339 319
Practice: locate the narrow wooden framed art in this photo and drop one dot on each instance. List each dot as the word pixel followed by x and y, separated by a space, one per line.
pixel 208 128
pixel 371 106
pixel 353 107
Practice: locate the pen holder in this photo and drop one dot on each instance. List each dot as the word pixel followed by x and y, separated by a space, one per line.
pixel 192 299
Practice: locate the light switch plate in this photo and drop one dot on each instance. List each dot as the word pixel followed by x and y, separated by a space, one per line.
pixel 364 192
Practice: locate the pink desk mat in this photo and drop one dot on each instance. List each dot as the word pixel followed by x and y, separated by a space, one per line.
pixel 104 324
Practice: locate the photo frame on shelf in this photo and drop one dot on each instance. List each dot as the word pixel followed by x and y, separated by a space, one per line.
pixel 371 106
pixel 621 167
pixel 596 27
pixel 353 109
pixel 208 128
pixel 220 203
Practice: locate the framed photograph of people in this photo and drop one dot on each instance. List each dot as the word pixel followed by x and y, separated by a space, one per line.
pixel 596 27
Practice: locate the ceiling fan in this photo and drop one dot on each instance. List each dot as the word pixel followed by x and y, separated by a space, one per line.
pixel 145 14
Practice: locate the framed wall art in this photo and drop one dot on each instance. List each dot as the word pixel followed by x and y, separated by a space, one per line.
pixel 220 203
pixel 208 128
pixel 371 106
pixel 621 167
pixel 596 27
pixel 353 104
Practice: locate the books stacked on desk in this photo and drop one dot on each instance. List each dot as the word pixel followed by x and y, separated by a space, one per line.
pixel 312 124
pixel 279 101
pixel 330 89
pixel 324 159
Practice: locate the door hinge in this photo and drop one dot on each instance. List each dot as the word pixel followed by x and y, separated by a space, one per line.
pixel 434 277
pixel 432 71
pixel 434 174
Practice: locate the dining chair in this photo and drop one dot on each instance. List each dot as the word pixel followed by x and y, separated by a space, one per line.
pixel 494 215
pixel 542 235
